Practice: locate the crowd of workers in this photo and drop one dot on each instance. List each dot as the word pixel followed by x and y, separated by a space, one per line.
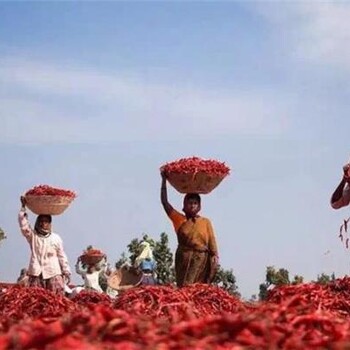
pixel 196 257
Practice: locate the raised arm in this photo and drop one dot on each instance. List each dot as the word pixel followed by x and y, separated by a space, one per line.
pixel 24 224
pixel 164 195
pixel 341 196
pixel 78 270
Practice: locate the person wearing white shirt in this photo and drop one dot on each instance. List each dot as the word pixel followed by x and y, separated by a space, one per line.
pixel 48 264
pixel 91 276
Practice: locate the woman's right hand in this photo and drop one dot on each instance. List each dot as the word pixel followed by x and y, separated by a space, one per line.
pixel 23 201
pixel 163 175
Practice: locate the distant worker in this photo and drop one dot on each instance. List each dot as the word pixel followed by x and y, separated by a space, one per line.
pixel 146 263
pixel 341 196
pixel 196 258
pixel 91 275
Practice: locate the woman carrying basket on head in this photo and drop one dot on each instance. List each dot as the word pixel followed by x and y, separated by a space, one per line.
pixel 48 264
pixel 91 274
pixel 196 258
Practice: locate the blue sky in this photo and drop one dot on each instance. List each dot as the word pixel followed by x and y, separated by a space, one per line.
pixel 96 96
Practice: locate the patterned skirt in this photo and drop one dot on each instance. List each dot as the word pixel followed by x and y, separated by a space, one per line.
pixel 55 284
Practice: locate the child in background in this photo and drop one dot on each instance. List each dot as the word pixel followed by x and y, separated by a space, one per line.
pixel 91 275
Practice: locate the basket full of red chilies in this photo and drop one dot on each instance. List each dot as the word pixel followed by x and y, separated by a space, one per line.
pixel 44 199
pixel 92 256
pixel 195 175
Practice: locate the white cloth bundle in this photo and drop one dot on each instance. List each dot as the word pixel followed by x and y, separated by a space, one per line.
pixel 145 254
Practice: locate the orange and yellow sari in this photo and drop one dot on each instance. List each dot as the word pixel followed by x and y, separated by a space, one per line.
pixel 195 260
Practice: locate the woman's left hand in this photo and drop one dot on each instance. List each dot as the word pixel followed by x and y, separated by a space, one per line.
pixel 214 264
pixel 66 278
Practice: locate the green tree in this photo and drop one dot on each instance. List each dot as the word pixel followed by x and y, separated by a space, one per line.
pixel 297 279
pixel 324 278
pixel 164 258
pixel 122 260
pixel 226 280
pixel 274 278
pixel 2 234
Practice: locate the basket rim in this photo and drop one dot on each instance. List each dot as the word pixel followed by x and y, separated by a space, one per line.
pixel 46 195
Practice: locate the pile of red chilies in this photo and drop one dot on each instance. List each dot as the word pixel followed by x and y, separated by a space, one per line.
pixel 195 165
pixel 305 316
pixel 46 190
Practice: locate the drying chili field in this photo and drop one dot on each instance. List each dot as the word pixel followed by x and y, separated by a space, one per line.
pixel 305 316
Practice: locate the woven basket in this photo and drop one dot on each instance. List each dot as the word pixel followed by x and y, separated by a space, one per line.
pixel 48 205
pixel 124 279
pixel 201 183
pixel 91 259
